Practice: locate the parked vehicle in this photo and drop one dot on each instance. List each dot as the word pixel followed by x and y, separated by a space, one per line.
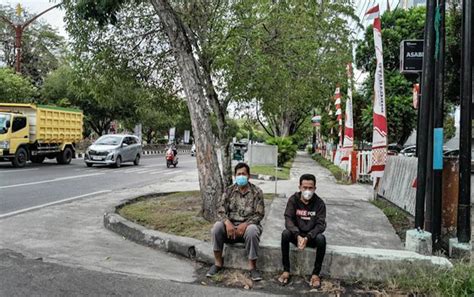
pixel 113 150
pixel 35 132
pixel 193 150
pixel 409 151
pixel 171 158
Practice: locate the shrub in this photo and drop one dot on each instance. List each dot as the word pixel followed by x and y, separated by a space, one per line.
pixel 286 148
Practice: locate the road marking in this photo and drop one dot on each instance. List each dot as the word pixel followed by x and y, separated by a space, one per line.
pixel 51 203
pixel 50 180
pixel 172 172
pixel 148 171
pixel 17 170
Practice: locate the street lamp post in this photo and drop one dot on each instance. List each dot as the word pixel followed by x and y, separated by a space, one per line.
pixel 19 28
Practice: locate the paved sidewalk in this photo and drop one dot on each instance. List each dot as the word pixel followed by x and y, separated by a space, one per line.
pixel 351 219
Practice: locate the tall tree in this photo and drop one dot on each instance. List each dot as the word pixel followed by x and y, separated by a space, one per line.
pixel 15 88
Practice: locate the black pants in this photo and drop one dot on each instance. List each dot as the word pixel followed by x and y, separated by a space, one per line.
pixel 319 243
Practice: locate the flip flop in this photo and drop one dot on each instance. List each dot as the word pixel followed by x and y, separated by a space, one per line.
pixel 315 282
pixel 284 280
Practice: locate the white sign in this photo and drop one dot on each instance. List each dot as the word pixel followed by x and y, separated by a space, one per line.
pixel 137 131
pixel 187 134
pixel 172 134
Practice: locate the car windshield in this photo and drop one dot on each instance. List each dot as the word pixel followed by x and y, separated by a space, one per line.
pixel 109 140
pixel 3 122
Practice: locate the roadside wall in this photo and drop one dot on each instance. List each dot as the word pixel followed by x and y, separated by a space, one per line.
pixel 397 181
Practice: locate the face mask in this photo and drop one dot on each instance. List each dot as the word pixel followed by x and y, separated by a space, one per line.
pixel 241 180
pixel 307 194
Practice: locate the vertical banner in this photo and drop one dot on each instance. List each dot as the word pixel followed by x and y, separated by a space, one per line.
pixel 172 135
pixel 348 142
pixel 137 131
pixel 337 102
pixel 379 139
pixel 187 134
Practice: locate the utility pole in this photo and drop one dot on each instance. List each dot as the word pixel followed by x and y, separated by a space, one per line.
pixel 19 28
pixel 438 124
pixel 425 111
pixel 464 211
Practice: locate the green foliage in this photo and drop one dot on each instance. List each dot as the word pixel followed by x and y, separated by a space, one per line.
pixel 336 171
pixel 15 88
pixel 286 148
pixel 399 25
pixel 449 127
pixel 458 281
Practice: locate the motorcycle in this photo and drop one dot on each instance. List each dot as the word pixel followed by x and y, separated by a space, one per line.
pixel 171 159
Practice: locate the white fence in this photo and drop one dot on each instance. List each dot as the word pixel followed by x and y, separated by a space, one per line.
pixel 364 163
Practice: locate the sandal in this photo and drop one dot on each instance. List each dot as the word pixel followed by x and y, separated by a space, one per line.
pixel 315 282
pixel 284 278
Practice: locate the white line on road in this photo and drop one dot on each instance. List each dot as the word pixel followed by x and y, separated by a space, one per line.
pixel 51 203
pixel 50 180
pixel 17 170
pixel 173 172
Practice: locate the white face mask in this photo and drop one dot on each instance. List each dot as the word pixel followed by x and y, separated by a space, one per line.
pixel 307 194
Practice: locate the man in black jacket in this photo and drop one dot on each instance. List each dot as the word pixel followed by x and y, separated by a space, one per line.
pixel 305 222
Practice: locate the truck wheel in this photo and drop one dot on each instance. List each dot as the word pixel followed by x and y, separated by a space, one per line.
pixel 65 157
pixel 118 162
pixel 137 160
pixel 20 158
pixel 37 159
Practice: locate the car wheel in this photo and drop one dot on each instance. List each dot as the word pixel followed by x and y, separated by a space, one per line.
pixel 89 164
pixel 118 162
pixel 20 158
pixel 137 160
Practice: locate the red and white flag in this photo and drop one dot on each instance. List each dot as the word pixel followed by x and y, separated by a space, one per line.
pixel 337 102
pixel 348 142
pixel 379 139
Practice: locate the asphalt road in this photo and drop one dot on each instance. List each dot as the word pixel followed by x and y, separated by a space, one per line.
pixel 39 185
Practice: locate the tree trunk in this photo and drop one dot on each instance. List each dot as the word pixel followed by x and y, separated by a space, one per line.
pixel 210 179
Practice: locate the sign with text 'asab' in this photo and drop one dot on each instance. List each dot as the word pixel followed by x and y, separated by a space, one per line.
pixel 411 56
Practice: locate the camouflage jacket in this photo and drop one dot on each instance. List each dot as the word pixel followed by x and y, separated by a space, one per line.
pixel 238 208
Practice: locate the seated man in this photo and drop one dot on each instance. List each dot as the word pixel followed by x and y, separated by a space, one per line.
pixel 305 222
pixel 240 212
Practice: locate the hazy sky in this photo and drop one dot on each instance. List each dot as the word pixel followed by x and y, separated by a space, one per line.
pixel 53 17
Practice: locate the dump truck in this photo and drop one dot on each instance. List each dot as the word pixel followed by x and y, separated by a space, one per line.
pixel 35 132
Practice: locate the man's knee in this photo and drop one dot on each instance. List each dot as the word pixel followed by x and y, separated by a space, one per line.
pixel 252 231
pixel 320 240
pixel 218 229
pixel 286 235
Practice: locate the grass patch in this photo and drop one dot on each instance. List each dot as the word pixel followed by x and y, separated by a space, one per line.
pixel 270 170
pixel 458 281
pixel 177 213
pixel 399 219
pixel 337 172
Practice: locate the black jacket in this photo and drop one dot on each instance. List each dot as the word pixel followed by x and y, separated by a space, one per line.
pixel 305 219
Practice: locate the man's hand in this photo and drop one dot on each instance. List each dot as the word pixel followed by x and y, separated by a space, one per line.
pixel 230 229
pixel 302 241
pixel 241 230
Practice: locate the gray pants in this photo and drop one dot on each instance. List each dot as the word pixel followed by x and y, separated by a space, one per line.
pixel 251 239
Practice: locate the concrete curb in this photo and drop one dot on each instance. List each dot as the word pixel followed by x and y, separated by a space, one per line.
pixel 341 262
pixel 264 177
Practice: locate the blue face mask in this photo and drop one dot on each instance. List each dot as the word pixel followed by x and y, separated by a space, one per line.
pixel 241 180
